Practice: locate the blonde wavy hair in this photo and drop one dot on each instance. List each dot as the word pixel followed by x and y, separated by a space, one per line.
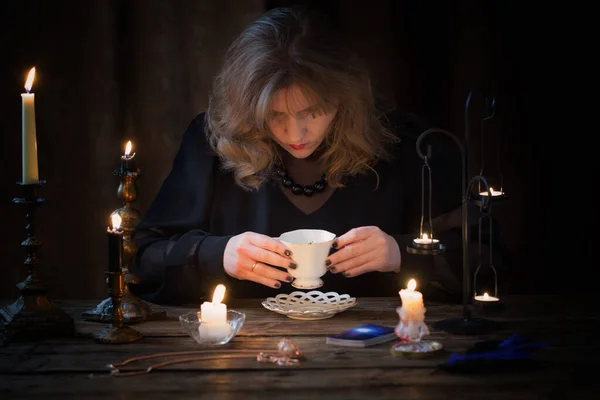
pixel 284 47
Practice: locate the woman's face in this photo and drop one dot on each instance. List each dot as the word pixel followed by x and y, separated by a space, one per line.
pixel 296 125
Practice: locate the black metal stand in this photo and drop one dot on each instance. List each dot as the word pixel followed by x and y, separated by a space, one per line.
pixel 32 316
pixel 466 324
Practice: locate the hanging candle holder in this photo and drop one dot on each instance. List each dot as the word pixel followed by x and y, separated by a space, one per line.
pixel 426 243
pixel 465 324
pixel 485 278
pixel 496 196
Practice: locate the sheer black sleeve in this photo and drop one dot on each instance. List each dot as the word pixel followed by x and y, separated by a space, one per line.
pixel 178 259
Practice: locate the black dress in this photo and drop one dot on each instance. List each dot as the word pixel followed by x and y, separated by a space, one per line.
pixel 182 236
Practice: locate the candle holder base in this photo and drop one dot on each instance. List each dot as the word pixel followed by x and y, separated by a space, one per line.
pixel 467 326
pixel 420 349
pixel 112 334
pixel 134 311
pixel 192 324
pixel 34 317
pixel 426 251
pixel 488 306
pixel 479 200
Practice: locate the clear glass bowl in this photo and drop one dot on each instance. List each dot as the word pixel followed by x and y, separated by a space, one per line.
pixel 212 335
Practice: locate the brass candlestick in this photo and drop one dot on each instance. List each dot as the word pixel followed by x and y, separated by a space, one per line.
pixel 133 308
pixel 117 332
pixel 32 315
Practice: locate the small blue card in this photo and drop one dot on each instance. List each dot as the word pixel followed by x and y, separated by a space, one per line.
pixel 363 336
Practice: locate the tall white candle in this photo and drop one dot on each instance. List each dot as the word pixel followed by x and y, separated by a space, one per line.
pixel 29 138
pixel 214 324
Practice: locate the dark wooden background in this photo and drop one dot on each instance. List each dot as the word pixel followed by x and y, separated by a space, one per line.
pixel 117 70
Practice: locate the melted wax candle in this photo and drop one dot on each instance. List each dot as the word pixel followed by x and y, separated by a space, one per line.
pixel 412 314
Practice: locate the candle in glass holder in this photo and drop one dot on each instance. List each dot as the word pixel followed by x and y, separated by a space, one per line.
pixel 426 242
pixel 494 192
pixel 115 244
pixel 214 324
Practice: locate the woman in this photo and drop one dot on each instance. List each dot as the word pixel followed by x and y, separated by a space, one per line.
pixel 291 139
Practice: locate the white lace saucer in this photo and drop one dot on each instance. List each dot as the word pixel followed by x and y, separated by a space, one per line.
pixel 309 306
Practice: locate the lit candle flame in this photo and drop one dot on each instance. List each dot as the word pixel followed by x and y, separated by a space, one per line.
pixel 425 236
pixel 30 78
pixel 128 149
pixel 218 294
pixel 412 285
pixel 116 221
pixel 486 296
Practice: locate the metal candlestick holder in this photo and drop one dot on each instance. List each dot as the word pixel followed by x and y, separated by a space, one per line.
pixel 32 315
pixel 424 245
pixel 117 332
pixel 134 309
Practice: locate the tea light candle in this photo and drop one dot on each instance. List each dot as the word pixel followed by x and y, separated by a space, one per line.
pixel 213 316
pixel 30 173
pixel 426 241
pixel 487 298
pixel 494 192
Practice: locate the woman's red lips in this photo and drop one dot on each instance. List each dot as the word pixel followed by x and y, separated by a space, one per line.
pixel 297 146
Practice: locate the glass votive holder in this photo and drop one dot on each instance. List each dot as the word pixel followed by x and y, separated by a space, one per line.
pixel 211 334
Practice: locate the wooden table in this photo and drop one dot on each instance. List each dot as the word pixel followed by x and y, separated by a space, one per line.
pixel 65 367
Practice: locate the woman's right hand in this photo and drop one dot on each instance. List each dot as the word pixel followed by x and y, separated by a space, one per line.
pixel 250 256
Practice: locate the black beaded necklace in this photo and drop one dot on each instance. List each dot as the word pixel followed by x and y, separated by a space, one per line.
pixel 307 190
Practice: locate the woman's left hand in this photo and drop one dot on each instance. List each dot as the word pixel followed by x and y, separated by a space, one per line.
pixel 364 249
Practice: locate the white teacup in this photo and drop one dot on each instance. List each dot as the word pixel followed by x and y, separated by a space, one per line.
pixel 310 248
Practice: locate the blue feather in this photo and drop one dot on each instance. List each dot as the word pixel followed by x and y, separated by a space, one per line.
pixel 509 349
